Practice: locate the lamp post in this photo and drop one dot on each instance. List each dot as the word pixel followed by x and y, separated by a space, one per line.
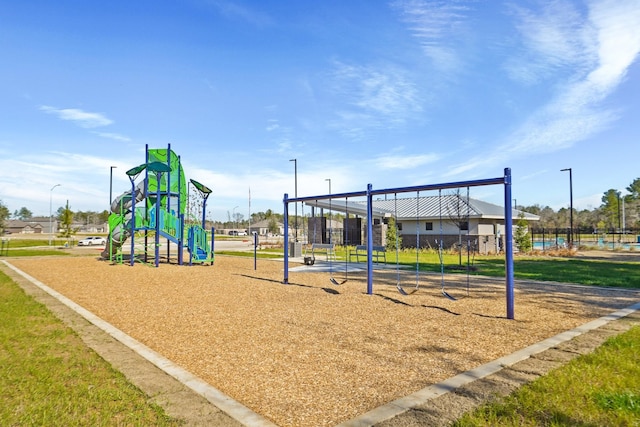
pixel 624 220
pixel 295 172
pixel 235 220
pixel 111 185
pixel 570 207
pixel 619 223
pixel 330 213
pixel 50 211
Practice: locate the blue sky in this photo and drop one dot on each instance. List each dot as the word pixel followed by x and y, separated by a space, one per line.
pixel 395 94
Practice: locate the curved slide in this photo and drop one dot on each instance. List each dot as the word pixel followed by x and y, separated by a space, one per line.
pixel 120 220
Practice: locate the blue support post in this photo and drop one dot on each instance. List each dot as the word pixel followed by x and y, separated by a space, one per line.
pixel 255 250
pixel 508 235
pixel 213 233
pixel 157 238
pixel 286 239
pixel 133 219
pixel 369 240
pixel 181 241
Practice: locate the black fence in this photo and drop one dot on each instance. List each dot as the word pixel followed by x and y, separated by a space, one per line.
pixel 612 238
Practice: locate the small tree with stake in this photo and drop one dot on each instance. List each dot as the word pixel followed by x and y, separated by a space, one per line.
pixel 66 219
pixel 521 234
pixel 393 236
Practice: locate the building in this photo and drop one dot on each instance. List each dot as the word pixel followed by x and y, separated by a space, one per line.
pixel 36 225
pixel 426 222
pixel 262 228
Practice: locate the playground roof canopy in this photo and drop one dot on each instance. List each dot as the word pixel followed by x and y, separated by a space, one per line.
pixel 430 207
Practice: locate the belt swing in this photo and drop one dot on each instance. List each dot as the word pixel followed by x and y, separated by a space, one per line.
pixel 345 241
pixel 440 250
pixel 398 285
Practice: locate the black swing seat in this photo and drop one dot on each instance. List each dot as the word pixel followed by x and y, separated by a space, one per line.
pixel 403 292
pixel 335 282
pixel 446 294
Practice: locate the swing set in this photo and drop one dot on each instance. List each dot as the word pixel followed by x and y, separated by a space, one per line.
pixel 504 180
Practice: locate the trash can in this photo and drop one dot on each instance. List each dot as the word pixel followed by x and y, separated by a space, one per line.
pixel 295 250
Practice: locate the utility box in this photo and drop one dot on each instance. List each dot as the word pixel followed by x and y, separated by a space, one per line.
pixel 295 250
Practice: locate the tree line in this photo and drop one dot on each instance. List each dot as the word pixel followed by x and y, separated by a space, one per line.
pixel 618 211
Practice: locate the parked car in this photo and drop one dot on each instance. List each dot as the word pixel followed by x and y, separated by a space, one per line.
pixel 92 240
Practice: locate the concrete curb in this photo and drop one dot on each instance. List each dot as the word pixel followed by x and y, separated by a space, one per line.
pixel 404 404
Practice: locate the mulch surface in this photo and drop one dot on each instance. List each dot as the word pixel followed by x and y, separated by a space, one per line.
pixel 310 353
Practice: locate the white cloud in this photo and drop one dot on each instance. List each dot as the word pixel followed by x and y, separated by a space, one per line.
pixel 114 136
pixel 376 97
pixel 233 10
pixel 404 162
pixel 555 39
pixel 272 125
pixel 81 118
pixel 437 25
pixel 576 112
pixel 83 179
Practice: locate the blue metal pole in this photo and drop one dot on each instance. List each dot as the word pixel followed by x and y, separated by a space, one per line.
pixel 213 233
pixel 133 218
pixel 255 250
pixel 204 210
pixel 181 241
pixel 369 240
pixel 168 195
pixel 157 239
pixel 146 203
pixel 508 235
pixel 286 239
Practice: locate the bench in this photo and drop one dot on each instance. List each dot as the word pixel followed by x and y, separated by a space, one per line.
pixel 327 248
pixel 378 253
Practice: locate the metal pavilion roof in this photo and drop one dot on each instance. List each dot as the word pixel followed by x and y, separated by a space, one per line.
pixel 430 207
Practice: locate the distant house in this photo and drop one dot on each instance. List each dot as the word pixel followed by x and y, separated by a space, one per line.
pixel 44 225
pixel 16 226
pixel 262 227
pixel 90 228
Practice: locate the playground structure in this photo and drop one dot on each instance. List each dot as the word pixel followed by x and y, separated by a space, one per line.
pixel 370 193
pixel 156 207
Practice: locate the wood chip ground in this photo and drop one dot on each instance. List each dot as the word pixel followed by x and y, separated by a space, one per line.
pixel 311 353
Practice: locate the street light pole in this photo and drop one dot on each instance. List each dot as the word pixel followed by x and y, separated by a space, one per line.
pixel 619 223
pixel 295 172
pixel 330 213
pixel 570 207
pixel 111 185
pixel 50 211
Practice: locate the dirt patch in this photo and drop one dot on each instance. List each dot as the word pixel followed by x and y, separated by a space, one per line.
pixel 618 256
pixel 310 353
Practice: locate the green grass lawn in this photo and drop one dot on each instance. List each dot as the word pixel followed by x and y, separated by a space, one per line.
pixel 597 389
pixel 570 270
pixel 48 376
